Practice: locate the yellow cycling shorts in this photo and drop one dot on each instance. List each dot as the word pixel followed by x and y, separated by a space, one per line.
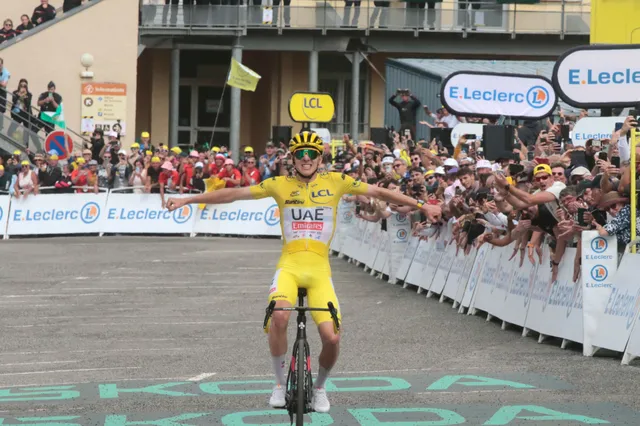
pixel 305 269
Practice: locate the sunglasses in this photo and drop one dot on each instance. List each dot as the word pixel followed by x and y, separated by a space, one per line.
pixel 311 153
pixel 558 174
pixel 541 178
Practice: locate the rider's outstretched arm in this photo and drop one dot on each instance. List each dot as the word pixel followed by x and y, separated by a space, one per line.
pixel 220 196
pixel 434 213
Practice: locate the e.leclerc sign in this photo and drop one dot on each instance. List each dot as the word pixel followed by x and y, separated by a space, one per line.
pixel 497 94
pixel 306 107
pixel 599 76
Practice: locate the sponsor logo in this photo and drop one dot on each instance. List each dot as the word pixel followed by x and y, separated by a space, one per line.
pixel 599 245
pixel 593 77
pixel 321 196
pixel 272 215
pixel 356 183
pixel 294 194
pixel 536 97
pixel 88 214
pixel 311 107
pixel 401 217
pixel 307 226
pixel 401 234
pixel 294 202
pixel 599 273
pixel 182 215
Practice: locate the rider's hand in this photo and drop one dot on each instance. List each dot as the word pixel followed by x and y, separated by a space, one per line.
pixel 433 212
pixel 175 203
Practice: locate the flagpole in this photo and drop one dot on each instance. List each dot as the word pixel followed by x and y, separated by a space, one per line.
pixel 215 122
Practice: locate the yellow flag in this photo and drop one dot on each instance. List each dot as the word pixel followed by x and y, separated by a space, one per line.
pixel 242 77
pixel 210 185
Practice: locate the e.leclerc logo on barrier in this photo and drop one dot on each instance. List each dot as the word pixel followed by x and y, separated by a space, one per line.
pixel 599 273
pixel 179 216
pixel 88 214
pixel 512 95
pixel 599 245
pixel 270 215
pixel 599 76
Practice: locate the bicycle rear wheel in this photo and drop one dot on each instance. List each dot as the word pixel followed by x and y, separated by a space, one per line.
pixel 301 389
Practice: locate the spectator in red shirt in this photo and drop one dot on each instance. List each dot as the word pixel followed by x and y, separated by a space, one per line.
pixel 250 174
pixel 187 170
pixel 230 174
pixel 168 178
pixel 217 166
pixel 82 178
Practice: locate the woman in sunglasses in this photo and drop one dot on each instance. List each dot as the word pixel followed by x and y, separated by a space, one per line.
pixel 27 181
pixel 307 204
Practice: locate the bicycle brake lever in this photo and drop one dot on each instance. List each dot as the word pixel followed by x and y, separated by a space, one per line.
pixel 334 315
pixel 269 312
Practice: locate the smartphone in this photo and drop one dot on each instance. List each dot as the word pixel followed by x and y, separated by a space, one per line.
pixel 615 162
pixel 530 155
pixel 515 169
pixel 581 213
pixel 619 126
pixel 564 132
pixel 470 137
pixel 465 148
pixel 596 143
pixel 490 197
pixel 599 217
pixel 579 158
pixel 407 132
pixel 633 113
pixel 603 156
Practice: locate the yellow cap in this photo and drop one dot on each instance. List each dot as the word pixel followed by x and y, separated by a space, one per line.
pixel 542 168
pixel 148 152
pixel 17 152
pixel 80 160
pixel 510 180
pixel 54 157
pixel 1 167
pixel 145 134
pixel 176 150
pixel 215 149
pixel 25 163
pixel 135 145
pixel 155 160
pixel 429 173
pixel 248 149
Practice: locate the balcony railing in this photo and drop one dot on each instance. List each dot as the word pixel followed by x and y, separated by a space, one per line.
pixel 568 17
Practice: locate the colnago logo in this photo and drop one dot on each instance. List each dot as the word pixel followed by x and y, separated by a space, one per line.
pixel 590 76
pixel 270 216
pixel 179 216
pixel 88 214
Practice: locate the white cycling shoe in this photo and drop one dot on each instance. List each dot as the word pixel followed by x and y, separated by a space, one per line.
pixel 319 401
pixel 277 399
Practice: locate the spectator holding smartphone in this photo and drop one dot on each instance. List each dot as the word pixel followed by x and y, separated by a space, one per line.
pixel 408 109
pixel 49 102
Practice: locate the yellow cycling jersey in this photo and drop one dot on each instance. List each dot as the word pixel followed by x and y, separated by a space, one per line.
pixel 308 210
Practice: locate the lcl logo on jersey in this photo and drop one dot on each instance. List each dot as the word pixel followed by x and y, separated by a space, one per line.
pixel 321 196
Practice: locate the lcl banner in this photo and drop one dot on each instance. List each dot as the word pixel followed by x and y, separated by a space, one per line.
pixel 599 76
pixel 497 94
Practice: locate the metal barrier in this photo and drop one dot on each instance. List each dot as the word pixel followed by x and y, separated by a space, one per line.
pixel 563 18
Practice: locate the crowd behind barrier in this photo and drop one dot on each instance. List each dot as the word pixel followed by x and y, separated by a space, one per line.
pixel 598 310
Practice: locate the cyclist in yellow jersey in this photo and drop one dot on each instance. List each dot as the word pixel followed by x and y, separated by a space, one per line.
pixel 308 203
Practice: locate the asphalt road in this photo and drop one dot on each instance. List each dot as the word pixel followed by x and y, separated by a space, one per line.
pixel 168 331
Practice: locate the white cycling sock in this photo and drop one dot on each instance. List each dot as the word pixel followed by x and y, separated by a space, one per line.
pixel 280 368
pixel 323 373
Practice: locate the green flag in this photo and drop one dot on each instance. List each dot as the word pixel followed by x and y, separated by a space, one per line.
pixel 55 118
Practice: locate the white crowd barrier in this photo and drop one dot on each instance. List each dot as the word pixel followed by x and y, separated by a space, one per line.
pixel 599 310
pixel 116 212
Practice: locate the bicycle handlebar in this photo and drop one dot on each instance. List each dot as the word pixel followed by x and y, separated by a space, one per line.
pixel 330 308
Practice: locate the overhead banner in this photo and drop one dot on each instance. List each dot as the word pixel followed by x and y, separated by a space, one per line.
pixel 104 106
pixel 498 94
pixel 594 128
pixel 599 76
pixel 247 217
pixel 306 107
pixel 50 214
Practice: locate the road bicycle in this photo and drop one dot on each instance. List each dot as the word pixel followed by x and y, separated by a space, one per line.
pixel 299 380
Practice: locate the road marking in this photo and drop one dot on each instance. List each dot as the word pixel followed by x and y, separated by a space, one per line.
pixel 201 377
pixel 25 373
pixel 38 363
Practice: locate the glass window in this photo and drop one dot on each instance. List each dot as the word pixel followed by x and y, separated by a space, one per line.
pixel 210 104
pixel 184 107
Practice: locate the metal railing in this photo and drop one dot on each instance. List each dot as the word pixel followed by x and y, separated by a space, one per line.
pixel 568 17
pixel 27 128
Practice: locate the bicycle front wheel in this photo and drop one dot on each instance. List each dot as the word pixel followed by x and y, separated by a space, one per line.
pixel 301 403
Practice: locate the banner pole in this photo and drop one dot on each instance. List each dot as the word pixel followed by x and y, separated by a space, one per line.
pixel 634 196
pixel 215 122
